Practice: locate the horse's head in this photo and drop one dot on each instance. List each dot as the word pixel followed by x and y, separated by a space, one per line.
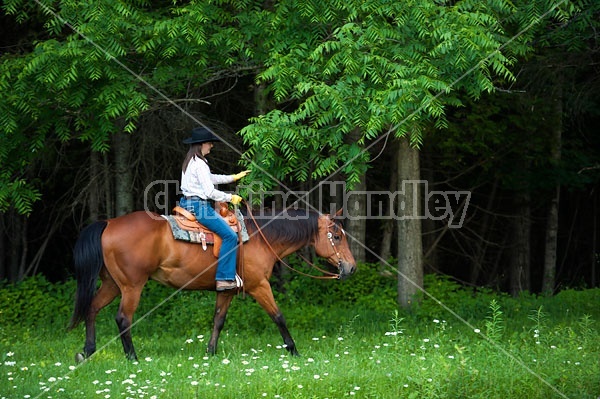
pixel 332 244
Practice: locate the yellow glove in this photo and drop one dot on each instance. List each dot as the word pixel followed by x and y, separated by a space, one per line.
pixel 238 176
pixel 235 199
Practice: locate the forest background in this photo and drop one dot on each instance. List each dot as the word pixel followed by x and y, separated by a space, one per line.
pixel 498 99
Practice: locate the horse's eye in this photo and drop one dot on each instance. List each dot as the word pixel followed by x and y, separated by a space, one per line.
pixel 337 237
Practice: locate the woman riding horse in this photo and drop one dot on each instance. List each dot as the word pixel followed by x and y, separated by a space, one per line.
pixel 198 188
pixel 128 250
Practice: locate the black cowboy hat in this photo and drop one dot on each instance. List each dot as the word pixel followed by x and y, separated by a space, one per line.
pixel 201 135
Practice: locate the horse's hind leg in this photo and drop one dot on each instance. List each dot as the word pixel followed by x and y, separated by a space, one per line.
pixel 107 292
pixel 130 299
pixel 221 307
pixel 264 297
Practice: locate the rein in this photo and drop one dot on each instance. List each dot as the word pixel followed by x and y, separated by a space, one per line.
pixel 328 275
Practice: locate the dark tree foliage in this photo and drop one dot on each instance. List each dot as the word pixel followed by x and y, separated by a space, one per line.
pixel 315 71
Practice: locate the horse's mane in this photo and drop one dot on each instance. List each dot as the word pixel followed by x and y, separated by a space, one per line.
pixel 281 226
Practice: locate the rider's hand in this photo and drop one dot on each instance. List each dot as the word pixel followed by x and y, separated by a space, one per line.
pixel 235 199
pixel 238 176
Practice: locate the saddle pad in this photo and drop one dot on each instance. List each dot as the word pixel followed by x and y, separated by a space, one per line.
pixel 186 235
pixel 244 231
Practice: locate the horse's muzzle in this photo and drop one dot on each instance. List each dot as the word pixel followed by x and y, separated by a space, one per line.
pixel 346 269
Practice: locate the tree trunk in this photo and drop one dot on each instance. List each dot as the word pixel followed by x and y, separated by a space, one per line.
pixel 261 100
pixel 482 245
pixel 123 174
pixel 17 251
pixel 594 252
pixel 548 281
pixel 24 247
pixel 388 224
pixel 410 247
pixel 106 180
pixel 521 246
pixel 356 228
pixel 385 249
pixel 94 192
pixel 3 271
pixel 356 224
pixel 549 278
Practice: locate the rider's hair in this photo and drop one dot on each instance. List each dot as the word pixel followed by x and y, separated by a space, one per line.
pixel 194 151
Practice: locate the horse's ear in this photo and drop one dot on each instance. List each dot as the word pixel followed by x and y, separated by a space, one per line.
pixel 339 212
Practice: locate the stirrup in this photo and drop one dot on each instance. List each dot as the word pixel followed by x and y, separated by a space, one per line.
pixel 223 285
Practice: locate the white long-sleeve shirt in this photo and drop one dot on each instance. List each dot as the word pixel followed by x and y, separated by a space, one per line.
pixel 198 180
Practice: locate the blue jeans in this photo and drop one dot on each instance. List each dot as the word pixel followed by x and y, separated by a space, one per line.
pixel 206 214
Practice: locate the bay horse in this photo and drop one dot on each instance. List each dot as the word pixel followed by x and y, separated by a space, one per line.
pixel 126 251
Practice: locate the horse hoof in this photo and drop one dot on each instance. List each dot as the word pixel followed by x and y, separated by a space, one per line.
pixel 79 358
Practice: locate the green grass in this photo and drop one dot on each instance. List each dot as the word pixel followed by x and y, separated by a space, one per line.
pixel 527 348
pixel 444 361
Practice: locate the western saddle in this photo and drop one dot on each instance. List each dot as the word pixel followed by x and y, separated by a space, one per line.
pixel 187 221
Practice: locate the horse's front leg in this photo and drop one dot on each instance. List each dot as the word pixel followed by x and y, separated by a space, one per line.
pixel 264 296
pixel 222 305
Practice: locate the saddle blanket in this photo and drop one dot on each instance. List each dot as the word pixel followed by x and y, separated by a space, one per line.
pixel 196 237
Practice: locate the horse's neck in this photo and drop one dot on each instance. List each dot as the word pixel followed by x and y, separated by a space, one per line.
pixel 289 249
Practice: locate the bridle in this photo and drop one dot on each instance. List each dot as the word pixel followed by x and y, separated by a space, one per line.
pixel 327 274
pixel 330 237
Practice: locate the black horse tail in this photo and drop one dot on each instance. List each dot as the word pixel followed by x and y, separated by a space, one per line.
pixel 88 260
